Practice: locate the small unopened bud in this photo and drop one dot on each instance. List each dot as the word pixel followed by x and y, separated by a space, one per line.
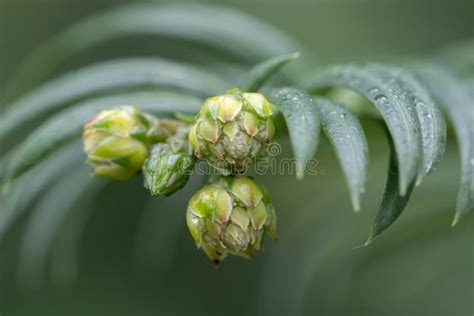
pixel 170 164
pixel 115 142
pixel 230 216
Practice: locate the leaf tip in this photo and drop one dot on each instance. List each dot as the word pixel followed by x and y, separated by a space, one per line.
pixel 374 234
pixel 403 190
pixel 299 171
pixel 356 204
pixel 456 219
pixel 363 245
pixel 419 179
pixel 403 183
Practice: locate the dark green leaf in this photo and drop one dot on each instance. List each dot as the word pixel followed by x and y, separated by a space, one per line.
pixel 303 122
pixel 348 139
pixel 392 203
pixel 259 74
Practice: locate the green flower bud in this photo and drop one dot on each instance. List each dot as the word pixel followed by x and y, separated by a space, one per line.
pixel 116 143
pixel 230 215
pixel 170 164
pixel 232 130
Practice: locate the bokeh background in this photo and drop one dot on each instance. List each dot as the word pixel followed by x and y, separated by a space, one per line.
pixel 129 254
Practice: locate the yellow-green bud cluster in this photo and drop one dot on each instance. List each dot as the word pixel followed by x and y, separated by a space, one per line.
pixel 232 130
pixel 230 215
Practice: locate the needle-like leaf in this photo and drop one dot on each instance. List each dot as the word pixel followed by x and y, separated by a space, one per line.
pixel 259 74
pixel 392 202
pixel 107 77
pixel 457 99
pixel 431 123
pixel 302 120
pixel 345 133
pixel 393 103
pixel 228 30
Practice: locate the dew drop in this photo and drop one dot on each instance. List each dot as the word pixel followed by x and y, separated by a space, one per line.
pixel 373 90
pixel 381 98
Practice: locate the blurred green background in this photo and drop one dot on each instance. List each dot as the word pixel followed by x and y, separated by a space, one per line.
pixel 129 254
pixel 337 30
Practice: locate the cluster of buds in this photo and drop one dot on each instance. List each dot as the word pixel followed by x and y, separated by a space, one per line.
pixel 232 130
pixel 231 214
pixel 122 141
pixel 228 216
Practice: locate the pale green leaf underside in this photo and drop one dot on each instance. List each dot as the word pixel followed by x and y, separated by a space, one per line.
pixel 68 124
pixel 224 28
pixel 430 122
pixel 127 74
pixel 392 102
pixel 345 133
pixel 457 99
pixel 259 74
pixel 302 120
